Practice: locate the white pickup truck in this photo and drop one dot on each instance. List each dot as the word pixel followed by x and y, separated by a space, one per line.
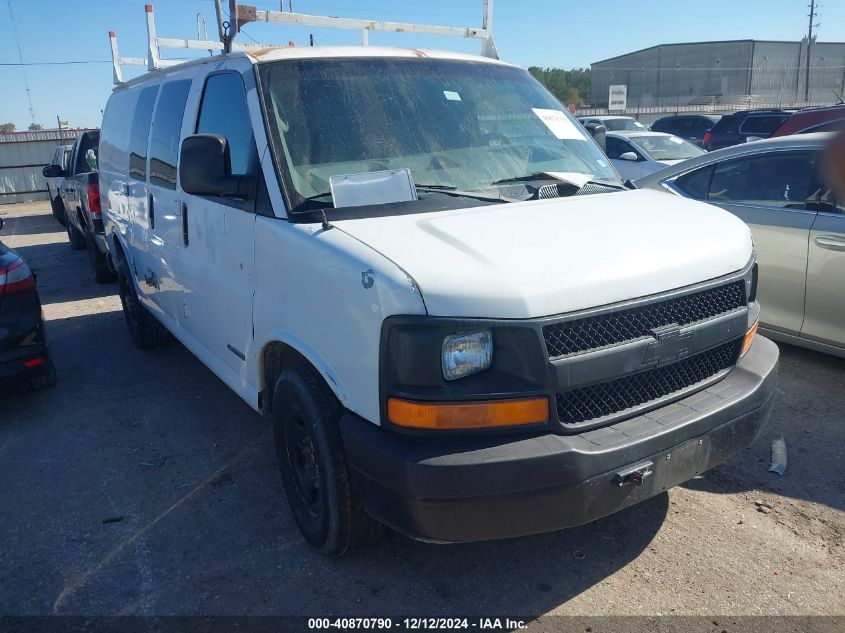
pixel 425 273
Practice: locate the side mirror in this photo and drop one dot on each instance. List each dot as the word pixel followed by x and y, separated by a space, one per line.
pixel 205 168
pixel 598 132
pixel 629 156
pixel 53 171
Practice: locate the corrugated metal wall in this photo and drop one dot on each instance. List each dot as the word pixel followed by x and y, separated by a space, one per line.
pixel 744 73
pixel 22 157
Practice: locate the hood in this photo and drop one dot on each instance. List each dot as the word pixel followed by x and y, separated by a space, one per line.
pixel 545 257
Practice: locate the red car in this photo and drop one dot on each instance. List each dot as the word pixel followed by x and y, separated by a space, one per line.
pixel 827 119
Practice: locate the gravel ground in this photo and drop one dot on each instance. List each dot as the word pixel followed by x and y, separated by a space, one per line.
pixel 141 485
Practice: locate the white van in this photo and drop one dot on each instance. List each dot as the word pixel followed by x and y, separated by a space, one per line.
pixel 425 273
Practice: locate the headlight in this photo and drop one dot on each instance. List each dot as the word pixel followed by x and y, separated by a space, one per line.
pixel 465 354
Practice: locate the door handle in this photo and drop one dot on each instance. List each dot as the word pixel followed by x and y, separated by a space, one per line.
pixel 830 242
pixel 185 223
pixel 151 211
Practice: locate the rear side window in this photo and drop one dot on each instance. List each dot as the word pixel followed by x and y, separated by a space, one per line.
pixel 777 179
pixel 86 153
pixel 665 125
pixel 763 125
pixel 696 183
pixel 167 127
pixel 224 111
pixel 114 138
pixel 140 132
pixel 700 126
pixel 726 124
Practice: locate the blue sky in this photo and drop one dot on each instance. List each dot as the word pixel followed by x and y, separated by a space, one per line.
pixel 562 33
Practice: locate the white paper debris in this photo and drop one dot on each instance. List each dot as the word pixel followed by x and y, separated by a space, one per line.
pixel 778 456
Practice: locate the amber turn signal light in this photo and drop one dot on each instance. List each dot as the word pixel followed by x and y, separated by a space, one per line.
pixel 749 338
pixel 467 415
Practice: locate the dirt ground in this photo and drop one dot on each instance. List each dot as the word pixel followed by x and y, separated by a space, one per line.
pixel 141 485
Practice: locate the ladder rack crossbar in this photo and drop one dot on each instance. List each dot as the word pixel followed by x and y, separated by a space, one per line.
pixel 247 13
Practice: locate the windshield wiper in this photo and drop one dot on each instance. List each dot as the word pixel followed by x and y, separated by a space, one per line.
pixel 451 190
pixel 525 178
pixel 545 176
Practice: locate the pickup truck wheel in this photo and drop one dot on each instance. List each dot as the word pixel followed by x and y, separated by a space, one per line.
pixel 58 208
pixel 313 466
pixel 146 332
pixel 102 272
pixel 76 239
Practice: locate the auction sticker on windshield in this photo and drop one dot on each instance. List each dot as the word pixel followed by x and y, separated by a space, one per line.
pixel 559 124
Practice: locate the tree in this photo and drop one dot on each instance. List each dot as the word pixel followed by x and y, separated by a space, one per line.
pixel 569 86
pixel 35 126
pixel 5 128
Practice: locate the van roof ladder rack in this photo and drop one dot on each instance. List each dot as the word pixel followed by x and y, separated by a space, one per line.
pixel 245 14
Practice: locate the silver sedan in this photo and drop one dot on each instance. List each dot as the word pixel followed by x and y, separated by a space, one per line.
pixel 777 187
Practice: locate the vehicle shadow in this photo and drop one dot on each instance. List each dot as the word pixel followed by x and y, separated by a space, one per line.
pixel 531 575
pixel 155 438
pixel 51 263
pixel 30 225
pixel 809 413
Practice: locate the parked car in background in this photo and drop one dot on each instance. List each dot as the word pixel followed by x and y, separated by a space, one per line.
pixel 690 127
pixel 81 200
pixel 636 154
pixel 54 183
pixel 798 223
pixel 809 120
pixel 24 358
pixel 613 123
pixel 741 127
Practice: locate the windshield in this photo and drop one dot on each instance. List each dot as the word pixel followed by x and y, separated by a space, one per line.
pixel 461 126
pixel 617 125
pixel 666 147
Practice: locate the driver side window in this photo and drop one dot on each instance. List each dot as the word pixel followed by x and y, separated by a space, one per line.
pixel 224 111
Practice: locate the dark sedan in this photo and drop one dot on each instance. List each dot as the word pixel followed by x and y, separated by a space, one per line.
pixel 24 359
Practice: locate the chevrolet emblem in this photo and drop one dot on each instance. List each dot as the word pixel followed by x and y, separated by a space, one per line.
pixel 670 345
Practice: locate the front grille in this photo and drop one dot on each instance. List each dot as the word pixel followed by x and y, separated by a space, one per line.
pixel 615 396
pixel 580 335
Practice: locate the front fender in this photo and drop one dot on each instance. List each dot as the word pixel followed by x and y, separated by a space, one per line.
pixel 325 294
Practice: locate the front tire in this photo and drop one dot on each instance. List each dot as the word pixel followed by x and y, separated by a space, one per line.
pixel 146 332
pixel 313 465
pixel 58 208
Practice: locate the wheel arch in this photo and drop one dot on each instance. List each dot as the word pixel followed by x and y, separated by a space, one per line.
pixel 277 354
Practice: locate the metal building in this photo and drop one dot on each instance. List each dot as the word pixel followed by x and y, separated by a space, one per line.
pixel 22 157
pixel 738 73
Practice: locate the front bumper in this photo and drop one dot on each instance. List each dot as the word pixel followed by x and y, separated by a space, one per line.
pixel 454 489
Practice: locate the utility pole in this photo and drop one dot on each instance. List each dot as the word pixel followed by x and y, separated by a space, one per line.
pixel 812 17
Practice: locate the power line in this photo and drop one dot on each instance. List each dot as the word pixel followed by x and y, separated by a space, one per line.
pixel 75 61
pixel 20 57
